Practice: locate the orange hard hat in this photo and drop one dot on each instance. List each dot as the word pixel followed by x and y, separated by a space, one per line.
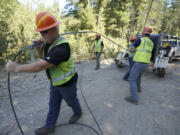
pixel 133 38
pixel 98 35
pixel 147 30
pixel 45 21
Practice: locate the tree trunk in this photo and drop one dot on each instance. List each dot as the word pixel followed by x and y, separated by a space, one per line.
pixel 98 19
pixel 122 35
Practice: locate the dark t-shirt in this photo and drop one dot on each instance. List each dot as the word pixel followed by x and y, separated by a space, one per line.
pixel 55 56
pixel 102 44
pixel 137 43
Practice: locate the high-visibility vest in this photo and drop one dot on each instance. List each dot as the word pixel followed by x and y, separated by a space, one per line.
pixel 97 47
pixel 143 52
pixel 65 70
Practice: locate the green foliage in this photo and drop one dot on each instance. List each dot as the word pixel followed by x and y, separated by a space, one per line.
pixel 118 19
pixel 171 15
pixel 7 36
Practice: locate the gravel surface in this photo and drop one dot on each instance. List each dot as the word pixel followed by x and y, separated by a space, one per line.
pixel 158 112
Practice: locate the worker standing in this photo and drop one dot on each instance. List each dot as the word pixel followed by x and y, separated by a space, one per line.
pixel 143 51
pixel 130 59
pixel 57 60
pixel 97 49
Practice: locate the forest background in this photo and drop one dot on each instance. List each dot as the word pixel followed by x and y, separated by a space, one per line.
pixel 117 19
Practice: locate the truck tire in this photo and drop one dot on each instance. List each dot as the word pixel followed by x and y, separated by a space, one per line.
pixel 119 64
pixel 171 58
pixel 161 73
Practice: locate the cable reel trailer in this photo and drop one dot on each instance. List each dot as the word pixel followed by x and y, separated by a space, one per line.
pixel 159 62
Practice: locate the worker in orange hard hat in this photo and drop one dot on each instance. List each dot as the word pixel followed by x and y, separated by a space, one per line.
pixel 133 38
pixel 55 57
pixel 97 49
pixel 130 58
pixel 98 35
pixel 147 31
pixel 142 48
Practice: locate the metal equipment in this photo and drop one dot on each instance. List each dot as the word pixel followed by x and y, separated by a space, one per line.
pixel 159 60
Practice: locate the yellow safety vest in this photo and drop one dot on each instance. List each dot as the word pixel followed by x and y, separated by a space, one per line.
pixel 65 70
pixel 143 52
pixel 98 45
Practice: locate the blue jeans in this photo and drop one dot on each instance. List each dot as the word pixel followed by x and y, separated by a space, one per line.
pixel 56 95
pixel 126 76
pixel 135 78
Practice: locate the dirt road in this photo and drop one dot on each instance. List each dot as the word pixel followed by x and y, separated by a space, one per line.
pixel 157 114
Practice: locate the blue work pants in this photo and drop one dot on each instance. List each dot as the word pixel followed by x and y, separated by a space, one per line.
pixel 135 78
pixel 98 55
pixel 57 94
pixel 126 76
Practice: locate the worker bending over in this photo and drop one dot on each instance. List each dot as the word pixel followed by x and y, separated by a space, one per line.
pixel 143 51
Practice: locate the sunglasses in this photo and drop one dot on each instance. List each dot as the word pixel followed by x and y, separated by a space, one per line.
pixel 44 32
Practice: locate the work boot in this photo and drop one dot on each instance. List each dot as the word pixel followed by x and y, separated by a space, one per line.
pixel 75 117
pixel 43 131
pixel 131 100
pixel 96 68
pixel 139 90
pixel 125 79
